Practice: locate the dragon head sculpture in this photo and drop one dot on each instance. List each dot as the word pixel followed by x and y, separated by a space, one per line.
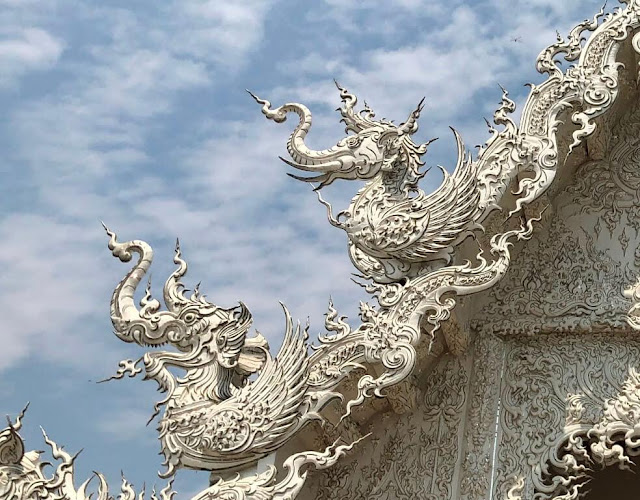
pixel 215 417
pixel 208 338
pixel 394 227
pixel 373 148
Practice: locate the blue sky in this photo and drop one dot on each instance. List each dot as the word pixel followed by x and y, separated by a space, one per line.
pixel 135 113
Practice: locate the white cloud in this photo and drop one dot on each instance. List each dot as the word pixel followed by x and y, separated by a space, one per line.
pixel 220 32
pixel 26 50
pixel 46 303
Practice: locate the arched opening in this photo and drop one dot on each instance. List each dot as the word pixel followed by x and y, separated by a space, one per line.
pixel 612 482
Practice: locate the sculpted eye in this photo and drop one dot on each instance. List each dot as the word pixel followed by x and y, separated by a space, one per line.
pixel 189 318
pixel 354 142
pixel 221 339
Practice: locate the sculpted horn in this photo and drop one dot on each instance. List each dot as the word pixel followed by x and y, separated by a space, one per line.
pixel 410 127
pixel 355 122
pixel 130 325
pixel 303 157
pixel 173 291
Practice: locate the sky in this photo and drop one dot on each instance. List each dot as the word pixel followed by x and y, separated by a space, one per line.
pixel 136 113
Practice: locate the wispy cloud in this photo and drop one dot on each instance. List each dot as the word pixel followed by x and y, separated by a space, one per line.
pixel 26 50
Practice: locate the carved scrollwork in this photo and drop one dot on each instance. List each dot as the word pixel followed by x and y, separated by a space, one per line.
pixel 561 281
pixel 22 477
pixel 553 393
pixel 612 441
pixel 392 225
pixel 413 455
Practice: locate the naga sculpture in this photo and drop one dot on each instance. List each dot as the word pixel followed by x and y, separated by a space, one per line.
pixel 214 417
pixel 22 476
pixel 394 228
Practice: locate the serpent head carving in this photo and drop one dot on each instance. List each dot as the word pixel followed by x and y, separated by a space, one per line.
pixel 374 147
pixel 394 227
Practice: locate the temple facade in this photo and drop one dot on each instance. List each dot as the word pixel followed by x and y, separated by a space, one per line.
pixel 531 389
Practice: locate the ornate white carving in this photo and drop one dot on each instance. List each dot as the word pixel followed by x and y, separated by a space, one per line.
pixel 553 392
pixel 414 455
pixel 633 293
pixel 561 281
pixel 393 226
pixel 479 439
pixel 22 477
pixel 22 473
pixel 612 441
pixel 214 417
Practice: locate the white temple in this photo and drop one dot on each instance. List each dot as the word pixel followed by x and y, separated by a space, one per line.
pixel 499 355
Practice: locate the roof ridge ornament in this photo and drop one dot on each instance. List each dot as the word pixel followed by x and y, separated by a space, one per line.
pixel 393 226
pixel 402 242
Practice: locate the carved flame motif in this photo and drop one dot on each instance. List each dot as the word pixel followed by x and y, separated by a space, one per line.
pixel 217 417
pixel 214 417
pixel 392 225
pixel 633 293
pixel 22 476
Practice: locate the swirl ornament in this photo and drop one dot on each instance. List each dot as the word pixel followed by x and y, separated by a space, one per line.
pixel 633 293
pixel 24 479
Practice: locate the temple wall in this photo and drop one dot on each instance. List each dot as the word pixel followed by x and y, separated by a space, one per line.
pixel 510 418
pixel 416 455
pixel 553 386
pixel 490 424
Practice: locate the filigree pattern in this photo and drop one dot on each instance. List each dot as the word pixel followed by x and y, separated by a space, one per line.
pixel 553 392
pixel 612 441
pixel 561 281
pixel 480 427
pixel 411 456
pixel 214 418
pixel 236 403
pixel 610 187
pixel 633 316
pixel 22 476
pixel 392 225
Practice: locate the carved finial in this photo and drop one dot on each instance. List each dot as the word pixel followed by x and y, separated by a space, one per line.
pixel 11 445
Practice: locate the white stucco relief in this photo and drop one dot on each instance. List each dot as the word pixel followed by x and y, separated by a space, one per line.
pixel 415 455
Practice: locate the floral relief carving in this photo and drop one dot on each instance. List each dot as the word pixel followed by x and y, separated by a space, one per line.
pixel 409 456
pixel 481 418
pixel 560 281
pixel 611 187
pixel 553 391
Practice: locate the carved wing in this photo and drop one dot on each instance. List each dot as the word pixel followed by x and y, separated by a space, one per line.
pixel 271 404
pixel 253 422
pixel 419 227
